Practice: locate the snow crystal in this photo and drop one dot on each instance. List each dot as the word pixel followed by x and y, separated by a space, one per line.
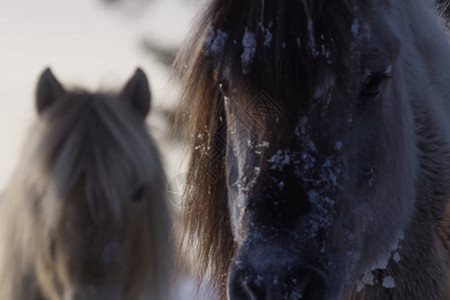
pixel 355 28
pixel 249 44
pixel 359 286
pixel 388 70
pixel 320 216
pixel 388 282
pixel 215 42
pixel 318 174
pixel 338 146
pixel 325 51
pixel 297 295
pixel 264 144
pixel 381 263
pixel 312 41
pixel 210 37
pixel 249 142
pixel 383 260
pixel 268 37
pixel 310 145
pixel 325 89
pixel 301 129
pixel 368 278
pixel 239 264
pixel 321 175
pixel 219 43
pixel 308 163
pixel 259 280
pixel 279 160
pixel 242 203
pixel 310 26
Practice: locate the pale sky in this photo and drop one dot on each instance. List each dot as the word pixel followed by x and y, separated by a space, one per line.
pixel 86 44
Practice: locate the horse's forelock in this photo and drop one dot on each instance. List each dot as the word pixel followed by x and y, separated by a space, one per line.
pixel 266 45
pixel 95 138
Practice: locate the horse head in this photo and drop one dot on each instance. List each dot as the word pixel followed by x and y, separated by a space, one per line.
pixel 305 111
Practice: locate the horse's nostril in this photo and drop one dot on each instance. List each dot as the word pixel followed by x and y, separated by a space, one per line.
pixel 244 286
pixel 308 283
pixel 311 284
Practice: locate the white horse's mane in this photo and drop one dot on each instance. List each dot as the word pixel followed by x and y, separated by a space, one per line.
pixel 426 46
pixel 98 138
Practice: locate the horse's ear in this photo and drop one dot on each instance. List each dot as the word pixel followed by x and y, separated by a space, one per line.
pixel 48 91
pixel 137 93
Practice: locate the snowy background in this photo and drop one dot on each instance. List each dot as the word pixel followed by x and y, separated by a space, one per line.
pixel 94 44
pixel 91 44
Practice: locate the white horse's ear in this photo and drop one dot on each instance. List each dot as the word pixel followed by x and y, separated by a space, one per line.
pixel 49 90
pixel 137 93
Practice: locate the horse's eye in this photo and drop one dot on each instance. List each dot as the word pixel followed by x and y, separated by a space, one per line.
pixel 224 87
pixel 372 84
pixel 139 194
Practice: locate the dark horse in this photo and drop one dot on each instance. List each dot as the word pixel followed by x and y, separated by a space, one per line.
pixel 320 149
pixel 84 216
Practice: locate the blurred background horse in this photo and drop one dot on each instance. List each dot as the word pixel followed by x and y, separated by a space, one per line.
pixel 84 216
pixel 320 149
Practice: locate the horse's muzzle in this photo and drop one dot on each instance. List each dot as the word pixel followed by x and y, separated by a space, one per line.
pixel 289 282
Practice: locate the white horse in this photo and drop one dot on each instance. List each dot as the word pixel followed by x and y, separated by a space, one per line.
pixel 320 149
pixel 84 216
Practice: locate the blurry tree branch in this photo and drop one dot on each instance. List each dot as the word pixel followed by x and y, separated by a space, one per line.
pixel 165 55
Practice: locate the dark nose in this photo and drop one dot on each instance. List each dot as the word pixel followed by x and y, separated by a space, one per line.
pixel 306 283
